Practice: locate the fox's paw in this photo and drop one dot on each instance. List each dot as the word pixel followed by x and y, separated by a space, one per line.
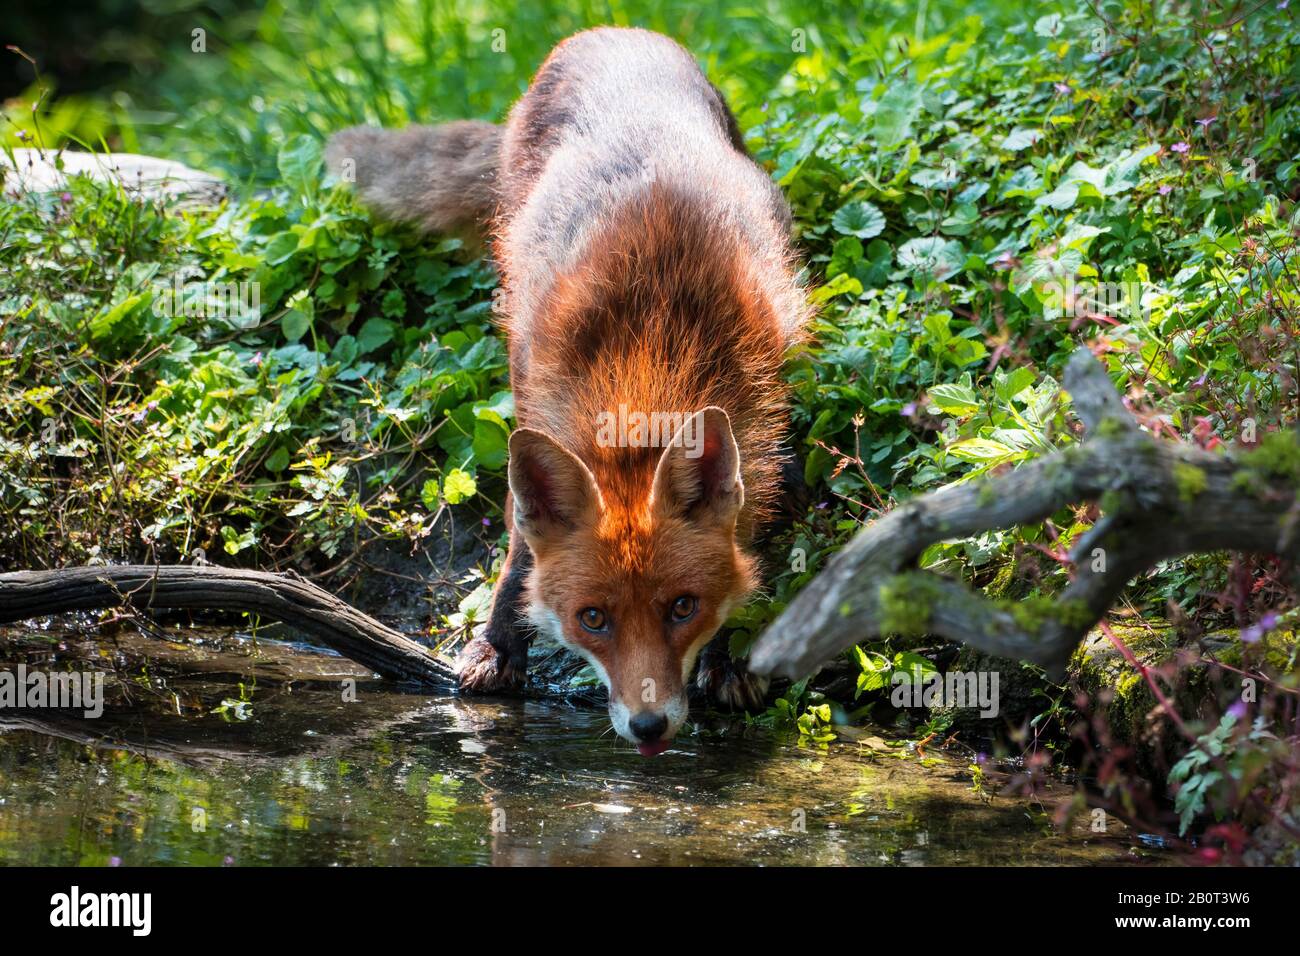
pixel 482 669
pixel 730 684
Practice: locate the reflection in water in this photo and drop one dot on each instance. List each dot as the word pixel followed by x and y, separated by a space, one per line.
pixel 392 778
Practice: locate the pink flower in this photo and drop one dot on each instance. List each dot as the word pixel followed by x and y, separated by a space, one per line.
pixel 257 359
pixel 65 197
pixel 1181 147
pixel 1165 189
pixel 1062 88
pixel 1252 634
pixel 1202 123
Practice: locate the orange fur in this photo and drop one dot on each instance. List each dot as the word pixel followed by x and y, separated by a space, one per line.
pixel 646 264
pixel 663 315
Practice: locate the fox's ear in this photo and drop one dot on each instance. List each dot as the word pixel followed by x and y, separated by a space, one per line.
pixel 553 490
pixel 698 476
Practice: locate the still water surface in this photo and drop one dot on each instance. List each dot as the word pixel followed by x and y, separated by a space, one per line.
pixel 288 771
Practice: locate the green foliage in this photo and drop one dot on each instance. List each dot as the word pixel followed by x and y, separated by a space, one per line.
pixel 814 726
pixel 154 414
pixel 1189 480
pixel 879 672
pixel 1222 768
pixel 906 601
pixel 1277 459
pixel 978 191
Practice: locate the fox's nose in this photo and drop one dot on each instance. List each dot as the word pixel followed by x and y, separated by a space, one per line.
pixel 648 725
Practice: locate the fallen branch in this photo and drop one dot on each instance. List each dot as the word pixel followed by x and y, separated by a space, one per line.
pixel 281 597
pixel 1160 500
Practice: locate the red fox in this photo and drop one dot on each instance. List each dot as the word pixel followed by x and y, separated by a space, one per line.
pixel 650 295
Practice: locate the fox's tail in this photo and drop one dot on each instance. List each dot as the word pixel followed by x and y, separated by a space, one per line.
pixel 442 178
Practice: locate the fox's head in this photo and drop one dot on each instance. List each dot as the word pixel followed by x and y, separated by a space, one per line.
pixel 636 588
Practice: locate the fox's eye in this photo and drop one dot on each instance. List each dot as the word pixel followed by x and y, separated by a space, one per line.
pixel 684 608
pixel 592 619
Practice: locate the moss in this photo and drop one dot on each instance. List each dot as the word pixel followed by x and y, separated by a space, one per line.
pixel 1280 651
pixel 1275 652
pixel 1276 460
pixel 1246 482
pixel 1110 428
pixel 906 602
pixel 1130 704
pixel 1003 580
pixel 1111 501
pixel 1124 699
pixel 1189 480
pixel 1032 612
pixel 1278 456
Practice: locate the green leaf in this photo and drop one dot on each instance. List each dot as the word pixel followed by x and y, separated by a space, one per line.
pixel 928 178
pixel 106 322
pixel 932 256
pixel 1062 197
pixel 845 256
pixel 981 449
pixel 842 284
pixel 458 485
pixel 234 541
pixel 937 328
pixel 1011 384
pixel 916 667
pixel 861 219
pixel 963 351
pixel 345 351
pixel 280 249
pixel 278 460
pixel 375 334
pixel 954 399
pixel 299 162
pixel 294 325
pixel 491 440
pixel 393 304
pixel 1048 25
pixel 1019 139
pixel 429 494
pixel 896 112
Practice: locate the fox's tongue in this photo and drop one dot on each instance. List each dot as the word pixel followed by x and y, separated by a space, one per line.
pixel 652 749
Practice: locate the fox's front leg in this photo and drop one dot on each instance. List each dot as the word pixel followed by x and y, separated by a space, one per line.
pixel 727 682
pixel 497 659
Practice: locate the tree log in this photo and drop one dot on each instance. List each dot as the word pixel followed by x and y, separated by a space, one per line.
pixel 1160 500
pixel 281 597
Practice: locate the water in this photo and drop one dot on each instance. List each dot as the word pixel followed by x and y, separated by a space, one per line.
pixel 290 772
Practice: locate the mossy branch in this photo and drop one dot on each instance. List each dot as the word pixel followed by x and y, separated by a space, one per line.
pixel 1161 500
pixel 281 597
